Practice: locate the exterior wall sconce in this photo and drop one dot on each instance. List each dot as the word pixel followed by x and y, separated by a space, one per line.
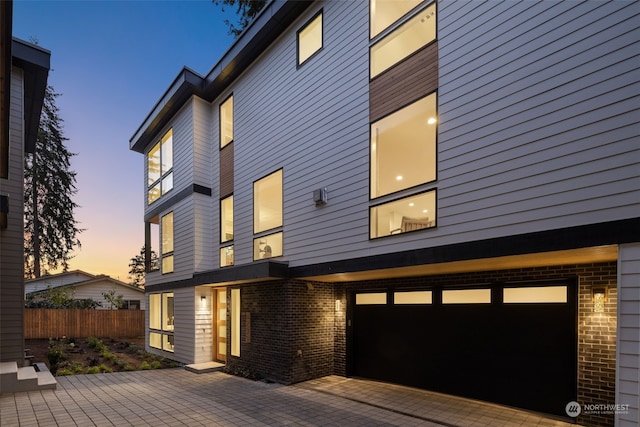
pixel 320 197
pixel 338 305
pixel 599 298
pixel 203 300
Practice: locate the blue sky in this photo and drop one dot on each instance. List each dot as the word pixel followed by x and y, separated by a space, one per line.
pixel 111 61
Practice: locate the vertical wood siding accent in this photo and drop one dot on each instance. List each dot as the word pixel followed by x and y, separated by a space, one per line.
pixel 407 81
pixel 226 170
pixel 628 349
pixel 11 238
pixel 313 122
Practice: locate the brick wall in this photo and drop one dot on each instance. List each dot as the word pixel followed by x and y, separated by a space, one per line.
pixel 596 331
pixel 287 331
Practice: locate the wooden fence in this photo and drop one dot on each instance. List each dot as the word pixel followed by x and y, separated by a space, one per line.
pixel 52 323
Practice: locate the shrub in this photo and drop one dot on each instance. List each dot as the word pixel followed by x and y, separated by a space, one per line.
pixel 145 366
pixel 93 370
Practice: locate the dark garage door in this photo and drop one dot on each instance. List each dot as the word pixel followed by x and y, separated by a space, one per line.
pixel 514 345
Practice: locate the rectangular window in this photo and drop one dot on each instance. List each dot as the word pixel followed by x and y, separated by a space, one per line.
pixel 403 148
pixel 161 321
pixel 267 202
pixel 386 12
pixel 268 246
pixel 535 294
pixel 160 168
pixel 226 219
pixel 466 296
pixel 310 38
pixel 166 240
pixel 371 298
pixel 403 215
pixel 412 297
pixel 404 40
pixel 235 322
pixel 226 122
pixel 226 256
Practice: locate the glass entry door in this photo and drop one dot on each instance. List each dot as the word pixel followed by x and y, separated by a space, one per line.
pixel 220 341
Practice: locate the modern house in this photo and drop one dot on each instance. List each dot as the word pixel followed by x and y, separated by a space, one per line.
pixel 83 285
pixel 24 71
pixel 444 195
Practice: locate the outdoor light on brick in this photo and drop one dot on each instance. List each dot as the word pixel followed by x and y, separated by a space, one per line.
pixel 599 297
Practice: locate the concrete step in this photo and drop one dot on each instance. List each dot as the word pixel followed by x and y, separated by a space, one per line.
pixel 203 368
pixel 14 379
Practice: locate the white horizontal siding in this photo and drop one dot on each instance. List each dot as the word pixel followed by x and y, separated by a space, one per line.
pixel 205 232
pixel 184 329
pixel 204 147
pixel 95 290
pixel 203 309
pixel 313 122
pixel 628 348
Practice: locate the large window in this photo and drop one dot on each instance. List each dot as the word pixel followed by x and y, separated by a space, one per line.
pixel 386 12
pixel 226 122
pixel 166 230
pixel 160 168
pixel 403 148
pixel 267 202
pixel 404 215
pixel 408 38
pixel 310 38
pixel 161 321
pixel 268 246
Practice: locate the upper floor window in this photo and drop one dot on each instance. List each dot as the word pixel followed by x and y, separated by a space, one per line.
pixel 403 148
pixel 267 202
pixel 408 38
pixel 403 215
pixel 226 219
pixel 160 168
pixel 386 12
pixel 226 122
pixel 166 240
pixel 310 38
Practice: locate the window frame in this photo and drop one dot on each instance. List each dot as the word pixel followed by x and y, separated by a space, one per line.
pixel 269 230
pixel 394 28
pixel 165 333
pixel 163 176
pixel 168 254
pixel 225 248
pixel 419 5
pixel 435 142
pixel 405 197
pixel 319 13
pixel 223 218
pixel 231 99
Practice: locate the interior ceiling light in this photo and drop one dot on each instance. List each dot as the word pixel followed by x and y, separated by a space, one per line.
pixel 399 178
pixel 432 120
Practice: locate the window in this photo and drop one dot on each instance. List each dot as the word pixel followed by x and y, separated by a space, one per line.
pixel 371 298
pixel 535 294
pixel 408 38
pixel 161 321
pixel 404 215
pixel 267 202
pixel 166 239
pixel 235 322
pixel 131 304
pixel 160 168
pixel 226 122
pixel 386 12
pixel 403 148
pixel 310 38
pixel 267 246
pixel 412 297
pixel 226 256
pixel 226 219
pixel 466 296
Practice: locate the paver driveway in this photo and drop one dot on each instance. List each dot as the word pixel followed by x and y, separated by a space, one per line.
pixel 175 397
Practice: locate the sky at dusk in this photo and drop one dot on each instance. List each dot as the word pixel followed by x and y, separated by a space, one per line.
pixel 111 61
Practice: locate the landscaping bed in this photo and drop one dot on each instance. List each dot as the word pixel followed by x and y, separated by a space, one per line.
pixel 70 356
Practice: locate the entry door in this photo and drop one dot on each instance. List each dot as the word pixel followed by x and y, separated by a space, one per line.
pixel 221 325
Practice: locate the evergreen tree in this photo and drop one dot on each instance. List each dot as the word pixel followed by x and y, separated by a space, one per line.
pixel 246 10
pixel 137 267
pixel 51 231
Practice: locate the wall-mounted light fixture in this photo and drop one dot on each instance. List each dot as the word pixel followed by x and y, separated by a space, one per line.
pixel 320 196
pixel 203 300
pixel 599 298
pixel 338 305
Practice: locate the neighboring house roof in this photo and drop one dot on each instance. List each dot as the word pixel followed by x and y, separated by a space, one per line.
pixel 66 277
pixel 91 279
pixel 274 18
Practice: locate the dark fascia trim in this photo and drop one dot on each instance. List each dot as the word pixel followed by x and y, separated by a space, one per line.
pixel 249 273
pixel 607 233
pixel 35 61
pixel 182 194
pixel 275 17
